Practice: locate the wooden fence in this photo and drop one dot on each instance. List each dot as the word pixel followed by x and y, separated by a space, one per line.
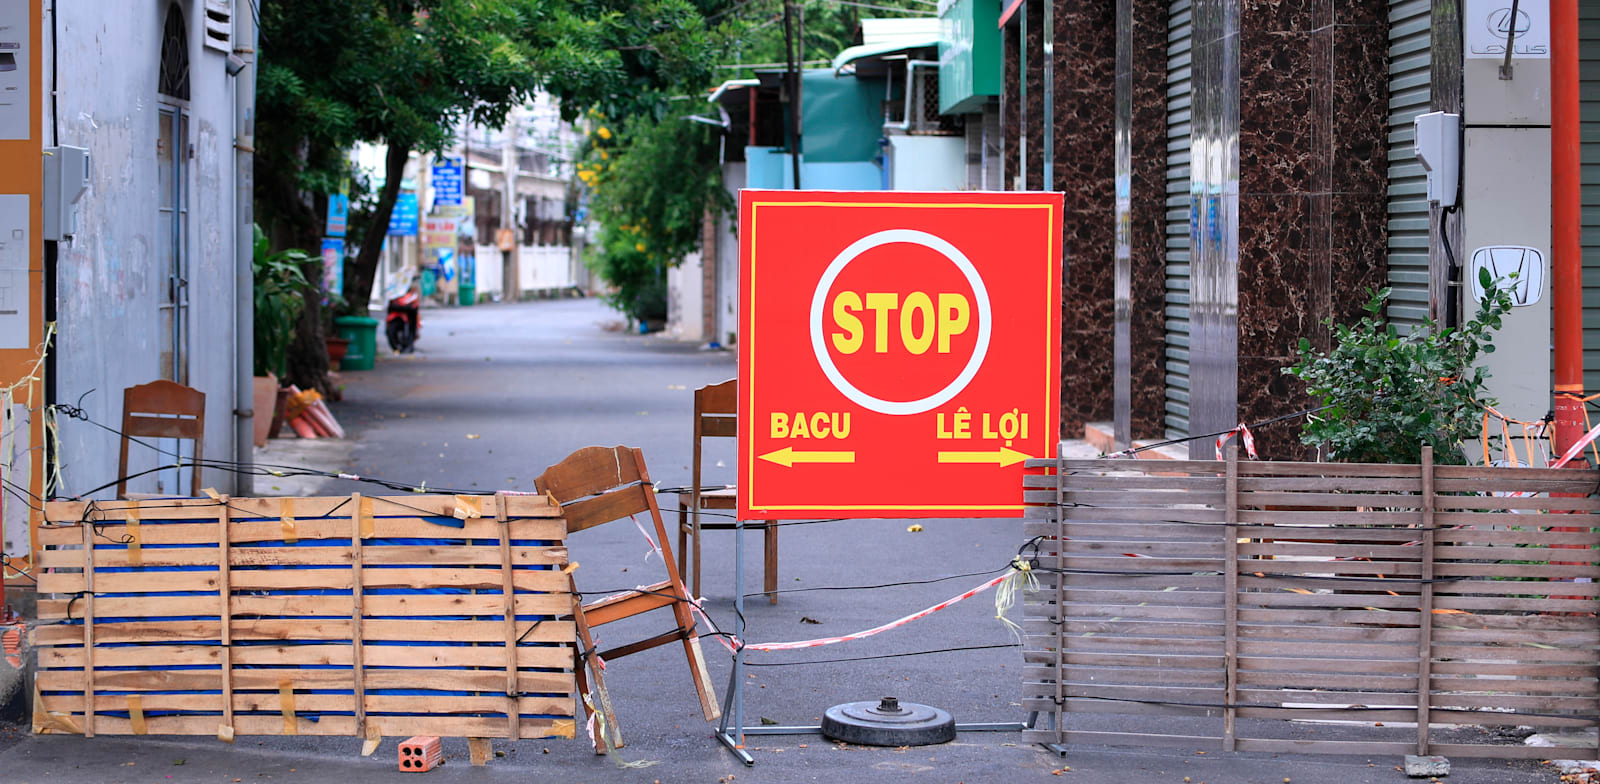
pixel 1298 606
pixel 418 614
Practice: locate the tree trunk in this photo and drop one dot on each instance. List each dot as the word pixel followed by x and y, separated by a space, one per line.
pixel 308 355
pixel 358 286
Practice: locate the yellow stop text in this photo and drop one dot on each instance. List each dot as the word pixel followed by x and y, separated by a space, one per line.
pixel 922 323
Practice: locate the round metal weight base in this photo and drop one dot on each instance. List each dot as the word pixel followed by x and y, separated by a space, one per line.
pixel 888 723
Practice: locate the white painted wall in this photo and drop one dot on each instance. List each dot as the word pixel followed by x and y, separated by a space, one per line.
pixel 733 178
pixel 685 293
pixel 545 267
pixel 490 270
pixel 112 279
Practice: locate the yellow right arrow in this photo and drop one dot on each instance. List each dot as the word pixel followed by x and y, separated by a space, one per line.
pixel 1003 456
pixel 787 457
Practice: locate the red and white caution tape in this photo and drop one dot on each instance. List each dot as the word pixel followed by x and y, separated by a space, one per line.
pixel 1244 432
pixel 1571 453
pixel 1577 448
pixel 654 548
pixel 817 643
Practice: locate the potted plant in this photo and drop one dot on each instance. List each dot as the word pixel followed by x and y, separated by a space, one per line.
pixel 1385 395
pixel 279 287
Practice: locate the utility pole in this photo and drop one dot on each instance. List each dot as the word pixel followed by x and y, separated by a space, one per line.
pixel 793 74
pixel 245 38
pixel 510 160
pixel 1566 201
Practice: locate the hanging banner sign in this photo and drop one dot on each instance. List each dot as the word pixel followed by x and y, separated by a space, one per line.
pixel 899 354
pixel 439 232
pixel 338 214
pixel 332 267
pixel 403 220
pixel 446 180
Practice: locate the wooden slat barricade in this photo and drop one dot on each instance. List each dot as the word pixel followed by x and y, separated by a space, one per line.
pixel 360 616
pixel 1252 604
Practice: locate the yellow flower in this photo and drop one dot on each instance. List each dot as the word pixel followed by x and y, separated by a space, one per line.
pixel 604 156
pixel 639 247
pixel 586 176
pixel 605 133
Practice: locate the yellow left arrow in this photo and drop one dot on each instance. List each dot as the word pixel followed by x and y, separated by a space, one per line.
pixel 1002 456
pixel 787 457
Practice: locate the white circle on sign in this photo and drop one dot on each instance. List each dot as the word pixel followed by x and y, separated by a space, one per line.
pixel 820 348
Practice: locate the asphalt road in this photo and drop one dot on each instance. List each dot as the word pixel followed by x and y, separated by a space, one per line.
pixel 495 394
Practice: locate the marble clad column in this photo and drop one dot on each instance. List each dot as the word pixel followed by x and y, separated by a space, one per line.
pixel 1085 168
pixel 1009 95
pixel 1312 180
pixel 1032 17
pixel 1140 274
pixel 1290 205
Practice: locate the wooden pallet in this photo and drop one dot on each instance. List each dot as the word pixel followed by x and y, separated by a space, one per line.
pixel 363 616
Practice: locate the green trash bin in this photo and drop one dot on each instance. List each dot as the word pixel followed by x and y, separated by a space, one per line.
pixel 469 281
pixel 362 332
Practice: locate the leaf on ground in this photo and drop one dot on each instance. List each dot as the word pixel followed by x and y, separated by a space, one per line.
pixel 810 620
pixel 766 722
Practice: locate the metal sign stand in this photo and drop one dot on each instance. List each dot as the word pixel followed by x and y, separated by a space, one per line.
pixel 733 735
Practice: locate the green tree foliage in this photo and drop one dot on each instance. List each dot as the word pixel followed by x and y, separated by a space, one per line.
pixel 408 73
pixel 654 173
pixel 1389 395
pixel 650 201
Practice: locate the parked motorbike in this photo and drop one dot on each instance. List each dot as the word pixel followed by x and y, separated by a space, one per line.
pixel 403 322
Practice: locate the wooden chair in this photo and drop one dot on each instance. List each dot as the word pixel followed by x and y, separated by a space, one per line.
pixel 162 409
pixel 716 408
pixel 597 485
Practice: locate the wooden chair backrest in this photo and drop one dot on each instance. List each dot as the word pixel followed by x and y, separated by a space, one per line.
pixel 162 409
pixel 598 484
pixel 716 415
pixel 716 410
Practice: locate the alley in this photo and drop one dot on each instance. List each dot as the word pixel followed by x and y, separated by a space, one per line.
pixel 496 393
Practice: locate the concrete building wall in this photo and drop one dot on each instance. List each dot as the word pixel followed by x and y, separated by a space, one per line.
pixel 733 178
pixel 685 298
pixel 113 277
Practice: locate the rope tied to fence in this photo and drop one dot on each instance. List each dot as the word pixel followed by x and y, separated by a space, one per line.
pixel 1243 432
pixel 1222 436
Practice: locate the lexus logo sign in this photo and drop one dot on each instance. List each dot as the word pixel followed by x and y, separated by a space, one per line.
pixel 1489 24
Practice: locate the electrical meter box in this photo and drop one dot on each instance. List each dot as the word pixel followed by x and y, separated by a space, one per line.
pixel 1438 146
pixel 66 177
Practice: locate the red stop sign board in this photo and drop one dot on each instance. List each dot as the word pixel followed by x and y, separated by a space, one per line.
pixel 899 353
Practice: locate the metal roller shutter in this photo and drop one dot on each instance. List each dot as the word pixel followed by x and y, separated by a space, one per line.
pixel 1179 27
pixel 1409 60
